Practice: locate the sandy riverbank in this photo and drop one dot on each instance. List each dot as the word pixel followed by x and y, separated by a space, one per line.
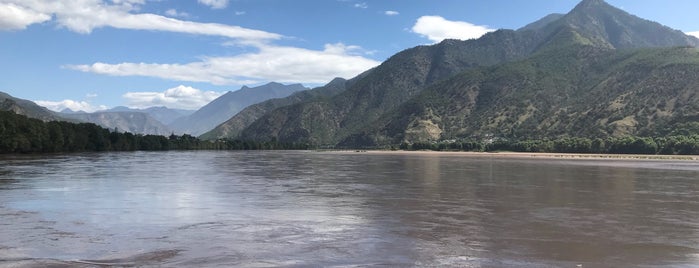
pixel 530 155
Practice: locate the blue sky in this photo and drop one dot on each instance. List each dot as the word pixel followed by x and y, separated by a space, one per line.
pixel 94 54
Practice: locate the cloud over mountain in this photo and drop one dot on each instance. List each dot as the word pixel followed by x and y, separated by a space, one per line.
pixel 74 105
pixel 437 28
pixel 180 97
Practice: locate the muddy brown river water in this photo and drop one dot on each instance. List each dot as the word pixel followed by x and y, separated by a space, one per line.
pixel 300 209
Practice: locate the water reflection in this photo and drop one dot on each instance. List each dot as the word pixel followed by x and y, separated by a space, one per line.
pixel 326 209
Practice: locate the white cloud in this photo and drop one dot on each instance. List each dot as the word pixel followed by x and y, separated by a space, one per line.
pixel 215 4
pixel 83 16
pixel 14 17
pixel 174 13
pixel 391 13
pixel 239 13
pixel 270 63
pixel 695 34
pixel 437 28
pixel 180 97
pixel 70 104
pixel 361 5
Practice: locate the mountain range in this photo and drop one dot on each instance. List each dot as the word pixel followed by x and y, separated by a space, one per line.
pixel 158 120
pixel 229 104
pixel 595 71
pixel 232 126
pixel 27 108
pixel 134 122
pixel 162 114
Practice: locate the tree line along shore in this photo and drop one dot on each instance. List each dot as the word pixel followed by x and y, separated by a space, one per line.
pixel 20 134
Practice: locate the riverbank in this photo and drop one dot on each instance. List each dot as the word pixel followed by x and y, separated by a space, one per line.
pixel 532 155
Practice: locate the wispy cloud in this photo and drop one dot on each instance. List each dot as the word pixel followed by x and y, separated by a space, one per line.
pixel 174 13
pixel 83 16
pixel 270 63
pixel 240 13
pixel 361 5
pixel 215 4
pixel 391 13
pixel 437 28
pixel 16 17
pixel 180 97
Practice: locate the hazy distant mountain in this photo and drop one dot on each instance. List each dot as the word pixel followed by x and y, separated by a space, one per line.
pixel 387 104
pixel 163 114
pixel 134 122
pixel 69 111
pixel 226 106
pixel 27 108
pixel 233 126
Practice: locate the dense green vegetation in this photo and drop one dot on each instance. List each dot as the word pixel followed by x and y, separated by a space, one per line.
pixel 574 91
pixel 20 134
pixel 672 145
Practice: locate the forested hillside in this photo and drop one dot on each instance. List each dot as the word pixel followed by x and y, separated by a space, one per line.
pixel 597 71
pixel 20 134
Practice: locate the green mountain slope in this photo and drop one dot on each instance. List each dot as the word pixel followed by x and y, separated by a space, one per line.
pixel 357 115
pixel 229 104
pixel 327 121
pixel 607 26
pixel 579 91
pixel 27 108
pixel 233 126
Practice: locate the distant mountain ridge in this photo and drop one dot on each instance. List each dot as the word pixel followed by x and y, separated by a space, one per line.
pixel 226 106
pixel 27 108
pixel 358 115
pixel 233 126
pixel 133 122
pixel 162 114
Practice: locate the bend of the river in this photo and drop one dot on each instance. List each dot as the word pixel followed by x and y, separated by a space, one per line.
pixel 298 209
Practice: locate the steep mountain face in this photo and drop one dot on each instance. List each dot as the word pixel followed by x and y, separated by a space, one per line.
pixel 226 106
pixel 134 122
pixel 327 121
pixel 607 26
pixel 233 126
pixel 27 108
pixel 541 23
pixel 579 91
pixel 163 114
pixel 355 115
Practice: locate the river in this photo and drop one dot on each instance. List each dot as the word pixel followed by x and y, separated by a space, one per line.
pixel 347 209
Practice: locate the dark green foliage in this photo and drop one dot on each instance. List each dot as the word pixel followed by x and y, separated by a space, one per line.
pixel 20 134
pixel 672 145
